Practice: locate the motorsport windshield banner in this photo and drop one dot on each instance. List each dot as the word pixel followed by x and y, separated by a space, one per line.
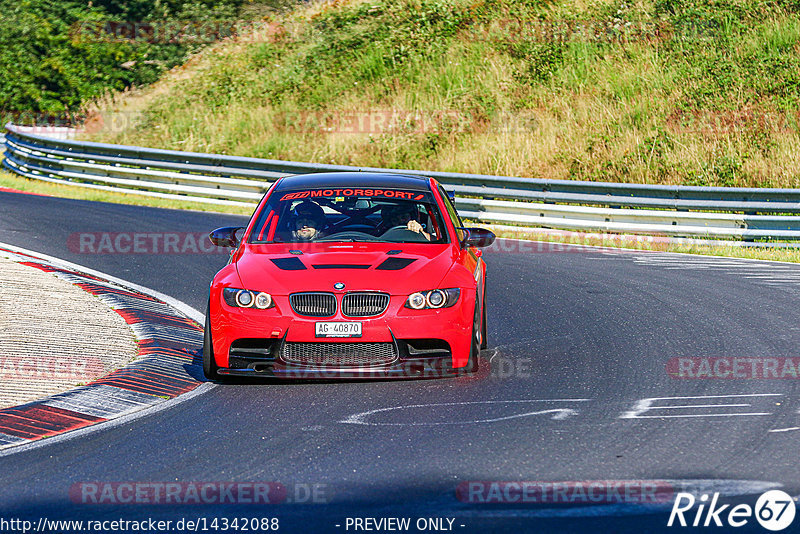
pixel 353 192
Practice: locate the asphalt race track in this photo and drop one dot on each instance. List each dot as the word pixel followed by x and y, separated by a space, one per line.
pixel 579 390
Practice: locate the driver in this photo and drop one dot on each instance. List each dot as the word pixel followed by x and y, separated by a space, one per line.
pixel 404 214
pixel 308 220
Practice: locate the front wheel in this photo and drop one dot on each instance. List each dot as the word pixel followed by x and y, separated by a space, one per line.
pixel 210 366
pixel 484 333
pixel 475 343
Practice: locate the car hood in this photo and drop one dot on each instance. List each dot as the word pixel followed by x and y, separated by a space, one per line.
pixel 394 268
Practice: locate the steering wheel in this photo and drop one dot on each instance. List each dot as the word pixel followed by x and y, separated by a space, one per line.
pixel 402 233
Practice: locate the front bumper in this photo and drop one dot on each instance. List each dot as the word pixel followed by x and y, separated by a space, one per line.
pixel 410 359
pixel 428 343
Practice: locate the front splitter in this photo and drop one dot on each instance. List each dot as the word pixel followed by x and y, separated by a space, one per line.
pixel 404 369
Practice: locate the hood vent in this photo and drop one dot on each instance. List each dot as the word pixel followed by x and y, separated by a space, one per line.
pixel 395 264
pixel 289 264
pixel 340 266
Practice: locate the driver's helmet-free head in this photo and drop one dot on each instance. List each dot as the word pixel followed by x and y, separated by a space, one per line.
pixel 399 214
pixel 308 219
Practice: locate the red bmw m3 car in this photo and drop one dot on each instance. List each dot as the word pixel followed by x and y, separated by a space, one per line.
pixel 349 275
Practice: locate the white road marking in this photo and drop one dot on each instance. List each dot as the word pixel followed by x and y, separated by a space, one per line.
pixel 647 404
pixel 558 413
pixel 700 406
pixel 6 439
pixel 123 302
pixel 103 401
pixel 693 415
pixel 771 274
pixel 789 429
pixel 167 332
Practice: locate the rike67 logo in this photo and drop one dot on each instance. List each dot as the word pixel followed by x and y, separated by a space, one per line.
pixel 774 510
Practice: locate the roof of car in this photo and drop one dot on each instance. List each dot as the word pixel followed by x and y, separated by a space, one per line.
pixel 378 180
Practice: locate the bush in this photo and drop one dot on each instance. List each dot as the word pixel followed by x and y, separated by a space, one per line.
pixel 50 64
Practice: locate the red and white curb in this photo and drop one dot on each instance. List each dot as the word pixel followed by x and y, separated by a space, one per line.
pixel 169 362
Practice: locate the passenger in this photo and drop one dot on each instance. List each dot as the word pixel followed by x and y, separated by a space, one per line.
pixel 404 214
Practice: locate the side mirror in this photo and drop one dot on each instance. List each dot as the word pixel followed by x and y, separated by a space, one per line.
pixel 451 195
pixel 225 237
pixel 477 237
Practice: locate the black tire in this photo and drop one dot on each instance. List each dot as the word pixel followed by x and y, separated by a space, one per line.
pixel 475 347
pixel 210 366
pixel 484 328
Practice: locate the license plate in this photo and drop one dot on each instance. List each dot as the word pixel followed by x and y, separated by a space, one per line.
pixel 338 329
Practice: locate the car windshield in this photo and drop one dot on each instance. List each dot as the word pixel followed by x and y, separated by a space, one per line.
pixel 349 215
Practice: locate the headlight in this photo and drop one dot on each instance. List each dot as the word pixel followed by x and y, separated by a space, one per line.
pixel 433 298
pixel 263 301
pixel 416 301
pixel 436 298
pixel 243 298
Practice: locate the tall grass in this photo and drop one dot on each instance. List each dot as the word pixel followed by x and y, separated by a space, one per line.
pixel 697 92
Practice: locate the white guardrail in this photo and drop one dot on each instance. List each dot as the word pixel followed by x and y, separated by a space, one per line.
pixel 707 212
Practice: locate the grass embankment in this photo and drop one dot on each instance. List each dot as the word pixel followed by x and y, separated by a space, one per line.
pixel 699 92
